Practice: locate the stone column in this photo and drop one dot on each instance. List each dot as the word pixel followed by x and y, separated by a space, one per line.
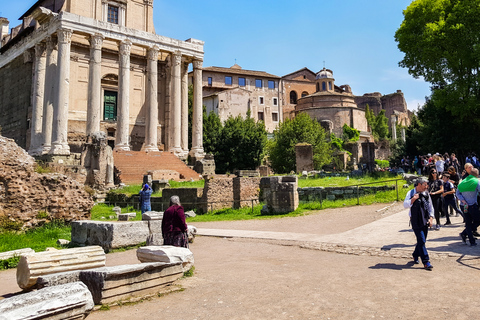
pixel 36 137
pixel 176 103
pixel 151 121
pixel 184 132
pixel 123 117
pixel 394 127
pixel 60 103
pixel 49 95
pixel 95 85
pixel 403 134
pixel 197 151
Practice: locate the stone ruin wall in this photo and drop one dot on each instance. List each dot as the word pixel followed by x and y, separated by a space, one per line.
pixel 246 191
pixel 24 193
pixel 226 192
pixel 217 194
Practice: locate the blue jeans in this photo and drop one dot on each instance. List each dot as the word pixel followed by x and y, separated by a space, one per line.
pixel 146 207
pixel 420 248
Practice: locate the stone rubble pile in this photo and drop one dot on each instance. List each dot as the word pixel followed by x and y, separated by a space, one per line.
pixel 24 193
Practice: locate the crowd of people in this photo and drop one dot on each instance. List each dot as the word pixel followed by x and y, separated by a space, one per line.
pixel 444 189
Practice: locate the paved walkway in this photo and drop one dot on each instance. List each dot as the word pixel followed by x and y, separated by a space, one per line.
pixel 391 235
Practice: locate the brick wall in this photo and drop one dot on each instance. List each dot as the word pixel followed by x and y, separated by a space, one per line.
pixel 245 189
pixel 15 100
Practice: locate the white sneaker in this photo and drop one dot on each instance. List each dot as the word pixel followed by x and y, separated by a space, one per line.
pixel 437 227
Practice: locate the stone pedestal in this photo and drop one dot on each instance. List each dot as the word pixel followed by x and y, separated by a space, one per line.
pixel 166 254
pixel 304 157
pixel 280 193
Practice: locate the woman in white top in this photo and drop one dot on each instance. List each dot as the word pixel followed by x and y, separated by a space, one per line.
pixel 439 164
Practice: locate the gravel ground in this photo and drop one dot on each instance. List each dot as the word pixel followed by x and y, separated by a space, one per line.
pixel 252 279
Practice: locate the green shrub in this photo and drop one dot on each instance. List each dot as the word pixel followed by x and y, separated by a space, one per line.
pixel 10 225
pixel 42 215
pixel 382 163
pixel 9 263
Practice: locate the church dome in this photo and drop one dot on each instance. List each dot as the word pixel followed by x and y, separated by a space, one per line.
pixel 325 74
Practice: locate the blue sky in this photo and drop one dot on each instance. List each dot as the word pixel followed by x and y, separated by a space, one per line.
pixel 355 38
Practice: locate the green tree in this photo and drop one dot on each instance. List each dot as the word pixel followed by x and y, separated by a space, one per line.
pixel 240 145
pixel 212 128
pixel 381 125
pixel 302 129
pixel 441 43
pixel 350 134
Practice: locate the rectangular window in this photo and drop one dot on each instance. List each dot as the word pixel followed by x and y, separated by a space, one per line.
pixel 271 84
pixel 112 15
pixel 274 117
pixel 209 81
pixel 260 116
pixel 110 105
pixel 241 82
pixel 260 100
pixel 258 83
pixel 228 81
pixel 275 101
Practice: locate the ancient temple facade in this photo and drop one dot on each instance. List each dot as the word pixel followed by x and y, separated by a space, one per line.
pixel 77 67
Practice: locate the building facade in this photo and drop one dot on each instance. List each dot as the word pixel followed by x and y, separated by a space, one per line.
pixel 77 67
pixel 234 91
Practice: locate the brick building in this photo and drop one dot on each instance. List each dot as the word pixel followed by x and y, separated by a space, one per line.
pixel 234 91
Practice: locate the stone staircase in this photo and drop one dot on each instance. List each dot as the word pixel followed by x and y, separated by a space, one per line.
pixel 133 165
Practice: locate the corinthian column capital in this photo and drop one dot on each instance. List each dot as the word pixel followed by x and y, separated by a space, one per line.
pixel 197 64
pixel 64 36
pixel 125 47
pixel 96 41
pixel 40 49
pixel 152 53
pixel 176 58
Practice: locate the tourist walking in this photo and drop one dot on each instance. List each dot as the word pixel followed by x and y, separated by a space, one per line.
pixel 421 217
pixel 467 193
pixel 145 195
pixel 435 188
pixel 449 199
pixel 174 227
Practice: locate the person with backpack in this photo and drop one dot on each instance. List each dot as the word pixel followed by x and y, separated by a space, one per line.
pixel 467 193
pixel 449 199
pixel 421 218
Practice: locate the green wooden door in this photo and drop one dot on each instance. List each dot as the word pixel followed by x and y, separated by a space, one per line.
pixel 110 105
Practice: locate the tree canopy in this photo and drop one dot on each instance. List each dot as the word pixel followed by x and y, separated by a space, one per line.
pixel 302 129
pixel 378 124
pixel 441 43
pixel 237 144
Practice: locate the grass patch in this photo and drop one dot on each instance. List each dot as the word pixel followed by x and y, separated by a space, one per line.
pixel 189 273
pixel 105 212
pixel 343 182
pixel 187 184
pixel 38 239
pixel 133 189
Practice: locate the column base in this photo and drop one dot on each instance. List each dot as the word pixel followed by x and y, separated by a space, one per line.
pixel 197 153
pixel 178 152
pixel 150 148
pixel 46 149
pixel 60 150
pixel 35 152
pixel 121 147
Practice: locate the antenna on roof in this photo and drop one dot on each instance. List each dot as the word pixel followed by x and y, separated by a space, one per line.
pixel 323 64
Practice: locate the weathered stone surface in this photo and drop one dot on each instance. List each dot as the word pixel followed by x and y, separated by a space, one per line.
pixel 110 284
pixel 115 234
pixel 56 279
pixel 280 193
pixel 31 266
pixel 15 253
pixel 152 215
pixel 190 214
pixel 63 242
pixel 167 254
pixel 68 301
pixel 29 192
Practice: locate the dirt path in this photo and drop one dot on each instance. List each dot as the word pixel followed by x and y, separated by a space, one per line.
pixel 251 279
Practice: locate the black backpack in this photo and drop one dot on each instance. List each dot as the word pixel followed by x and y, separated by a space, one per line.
pixel 419 211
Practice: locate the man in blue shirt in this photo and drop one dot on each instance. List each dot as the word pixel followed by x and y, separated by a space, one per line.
pixel 421 217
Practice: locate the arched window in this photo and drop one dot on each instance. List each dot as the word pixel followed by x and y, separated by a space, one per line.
pixel 293 97
pixel 304 94
pixel 324 86
pixel 330 85
pixel 318 86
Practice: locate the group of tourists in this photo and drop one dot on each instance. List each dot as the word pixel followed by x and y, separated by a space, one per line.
pixel 432 197
pixel 174 227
